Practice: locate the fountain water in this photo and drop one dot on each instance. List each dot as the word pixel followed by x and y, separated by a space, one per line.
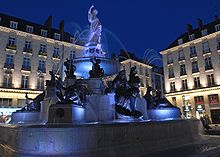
pixel 81 117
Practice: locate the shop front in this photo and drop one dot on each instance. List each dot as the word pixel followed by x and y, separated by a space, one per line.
pixel 214 106
pixel 200 107
pixel 187 106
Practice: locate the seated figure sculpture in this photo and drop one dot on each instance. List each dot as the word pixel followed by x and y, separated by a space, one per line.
pixel 70 69
pixel 96 71
pixel 126 93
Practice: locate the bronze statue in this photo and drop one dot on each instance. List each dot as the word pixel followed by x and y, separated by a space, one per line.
pixel 96 71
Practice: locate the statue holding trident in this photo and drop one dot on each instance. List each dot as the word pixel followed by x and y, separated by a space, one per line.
pixel 95 27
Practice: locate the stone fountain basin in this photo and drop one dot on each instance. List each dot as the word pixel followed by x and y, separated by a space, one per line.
pixel 113 139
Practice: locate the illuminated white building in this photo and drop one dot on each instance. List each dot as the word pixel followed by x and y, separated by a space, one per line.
pixel 148 74
pixel 192 71
pixel 28 52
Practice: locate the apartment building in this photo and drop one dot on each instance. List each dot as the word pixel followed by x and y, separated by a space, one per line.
pixel 192 71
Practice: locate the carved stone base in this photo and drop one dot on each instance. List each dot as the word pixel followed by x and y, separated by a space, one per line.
pixel 66 113
pixel 94 51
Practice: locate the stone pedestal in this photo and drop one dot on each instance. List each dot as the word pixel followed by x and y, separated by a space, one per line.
pixel 100 108
pixel 95 86
pixel 164 114
pixel 50 98
pixel 25 117
pixel 66 113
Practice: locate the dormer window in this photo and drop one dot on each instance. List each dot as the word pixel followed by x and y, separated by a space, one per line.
pixel 43 33
pixel 29 29
pixel 217 27
pixel 13 24
pixel 180 41
pixel 204 32
pixel 72 40
pixel 56 36
pixel 191 37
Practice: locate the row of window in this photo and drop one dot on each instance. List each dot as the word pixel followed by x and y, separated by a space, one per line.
pixel 195 68
pixel 193 52
pixel 7 81
pixel 199 100
pixel 210 81
pixel 204 32
pixel 30 29
pixel 42 51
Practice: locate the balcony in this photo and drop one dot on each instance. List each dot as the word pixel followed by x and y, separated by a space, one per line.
pixel 11 47
pixel 196 70
pixel 7 85
pixel 27 50
pixel 208 67
pixel 181 58
pixel 43 70
pixel 26 68
pixel 42 53
pixel 182 73
pixel 207 51
pixel 8 66
pixel 56 57
pixel 192 55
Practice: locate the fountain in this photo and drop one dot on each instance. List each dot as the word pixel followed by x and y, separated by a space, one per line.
pixel 94 116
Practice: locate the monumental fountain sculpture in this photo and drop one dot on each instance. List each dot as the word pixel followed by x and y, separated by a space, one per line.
pixel 87 117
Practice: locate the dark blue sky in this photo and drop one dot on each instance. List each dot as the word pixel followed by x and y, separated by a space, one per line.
pixel 134 25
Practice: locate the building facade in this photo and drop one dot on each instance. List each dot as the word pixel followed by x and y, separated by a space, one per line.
pixel 28 52
pixel 192 71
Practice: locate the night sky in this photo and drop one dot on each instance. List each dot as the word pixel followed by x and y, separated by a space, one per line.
pixel 134 25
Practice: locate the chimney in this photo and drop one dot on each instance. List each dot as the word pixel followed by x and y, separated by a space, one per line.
pixel 216 18
pixel 61 29
pixel 48 22
pixel 48 25
pixel 200 24
pixel 189 28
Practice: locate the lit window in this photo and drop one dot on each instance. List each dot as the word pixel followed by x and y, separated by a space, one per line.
pixel 169 58
pixel 43 48
pixel 193 51
pixel 27 45
pixel 40 83
pixel 13 24
pixel 197 82
pixel 26 64
pixel 171 72
pixel 210 79
pixel 56 36
pixel 72 40
pixel 172 87
pixel 43 33
pixel 184 84
pixel 11 41
pixel 72 55
pixel 213 99
pixel 42 66
pixel 180 41
pixel 195 68
pixel 29 29
pixel 217 27
pixel 205 47
pixel 191 37
pixel 7 80
pixel 25 82
pixel 182 70
pixel 181 55
pixel 204 32
pixel 208 63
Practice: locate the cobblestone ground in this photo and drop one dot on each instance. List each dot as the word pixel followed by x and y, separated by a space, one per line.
pixel 209 147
